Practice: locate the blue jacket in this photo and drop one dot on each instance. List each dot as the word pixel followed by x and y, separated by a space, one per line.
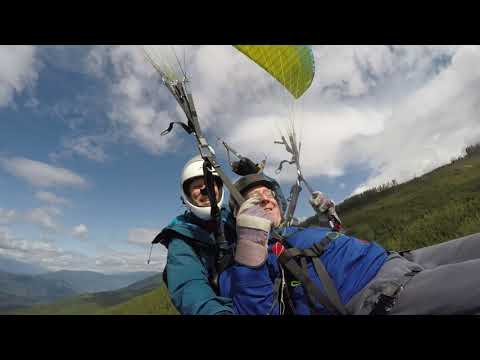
pixel 350 262
pixel 189 264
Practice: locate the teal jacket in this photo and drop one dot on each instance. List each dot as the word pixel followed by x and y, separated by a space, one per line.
pixel 190 260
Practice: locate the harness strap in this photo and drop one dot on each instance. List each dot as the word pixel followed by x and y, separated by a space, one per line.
pixel 332 299
pixel 327 282
pixel 313 293
pixel 310 297
pixel 276 294
pixel 185 127
pixel 294 252
pixel 224 254
pixel 314 253
pixel 290 306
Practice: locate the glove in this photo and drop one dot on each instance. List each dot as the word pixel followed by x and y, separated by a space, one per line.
pixel 320 203
pixel 245 166
pixel 253 229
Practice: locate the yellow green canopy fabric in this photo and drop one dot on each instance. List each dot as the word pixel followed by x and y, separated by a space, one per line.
pixel 292 65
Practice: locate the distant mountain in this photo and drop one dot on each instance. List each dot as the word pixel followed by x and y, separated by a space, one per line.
pixel 26 290
pixel 148 296
pixel 90 281
pixel 21 290
pixel 13 266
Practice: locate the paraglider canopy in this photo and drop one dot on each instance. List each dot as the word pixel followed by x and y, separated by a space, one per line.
pixel 292 65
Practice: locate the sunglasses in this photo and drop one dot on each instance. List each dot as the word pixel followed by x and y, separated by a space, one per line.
pixel 269 194
pixel 218 182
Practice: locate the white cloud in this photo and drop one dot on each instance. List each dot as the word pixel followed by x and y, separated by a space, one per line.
pixel 17 71
pixel 366 103
pixel 51 198
pixel 142 236
pixel 46 253
pixel 395 110
pixel 7 216
pixel 429 127
pixel 41 174
pixel 90 147
pixel 96 61
pixel 43 217
pixel 140 111
pixel 32 103
pixel 16 245
pixel 80 232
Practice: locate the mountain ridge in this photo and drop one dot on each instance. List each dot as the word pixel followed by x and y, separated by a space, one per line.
pixel 22 290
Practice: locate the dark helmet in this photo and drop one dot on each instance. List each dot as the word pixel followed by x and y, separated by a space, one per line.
pixel 247 182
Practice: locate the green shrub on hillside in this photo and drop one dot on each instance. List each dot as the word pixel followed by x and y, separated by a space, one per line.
pixel 436 207
pixel 156 302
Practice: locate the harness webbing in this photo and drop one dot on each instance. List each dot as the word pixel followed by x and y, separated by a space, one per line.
pixel 289 260
pixel 277 288
pixel 224 252
pixel 327 282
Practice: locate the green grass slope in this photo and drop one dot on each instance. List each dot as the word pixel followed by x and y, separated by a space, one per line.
pixel 155 302
pixel 439 206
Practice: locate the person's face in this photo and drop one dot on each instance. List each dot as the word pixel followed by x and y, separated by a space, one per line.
pixel 267 202
pixel 195 190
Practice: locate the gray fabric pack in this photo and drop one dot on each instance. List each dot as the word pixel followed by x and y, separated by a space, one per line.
pixel 447 282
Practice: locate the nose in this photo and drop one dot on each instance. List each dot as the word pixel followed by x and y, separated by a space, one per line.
pixel 204 190
pixel 265 200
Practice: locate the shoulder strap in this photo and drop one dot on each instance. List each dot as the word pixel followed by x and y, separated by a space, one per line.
pixel 288 258
pixel 276 293
pixel 313 293
pixel 327 282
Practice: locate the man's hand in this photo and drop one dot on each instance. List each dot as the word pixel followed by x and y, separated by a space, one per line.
pixel 320 203
pixel 253 227
pixel 323 205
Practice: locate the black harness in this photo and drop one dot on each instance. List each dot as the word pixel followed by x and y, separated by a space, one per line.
pixel 294 271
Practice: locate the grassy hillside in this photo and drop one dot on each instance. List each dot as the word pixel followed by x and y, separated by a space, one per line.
pixel 155 302
pixel 148 296
pixel 439 206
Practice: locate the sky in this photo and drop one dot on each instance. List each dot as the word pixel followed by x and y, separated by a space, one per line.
pixel 87 181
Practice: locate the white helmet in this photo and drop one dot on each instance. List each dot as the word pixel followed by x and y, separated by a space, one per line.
pixel 192 169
